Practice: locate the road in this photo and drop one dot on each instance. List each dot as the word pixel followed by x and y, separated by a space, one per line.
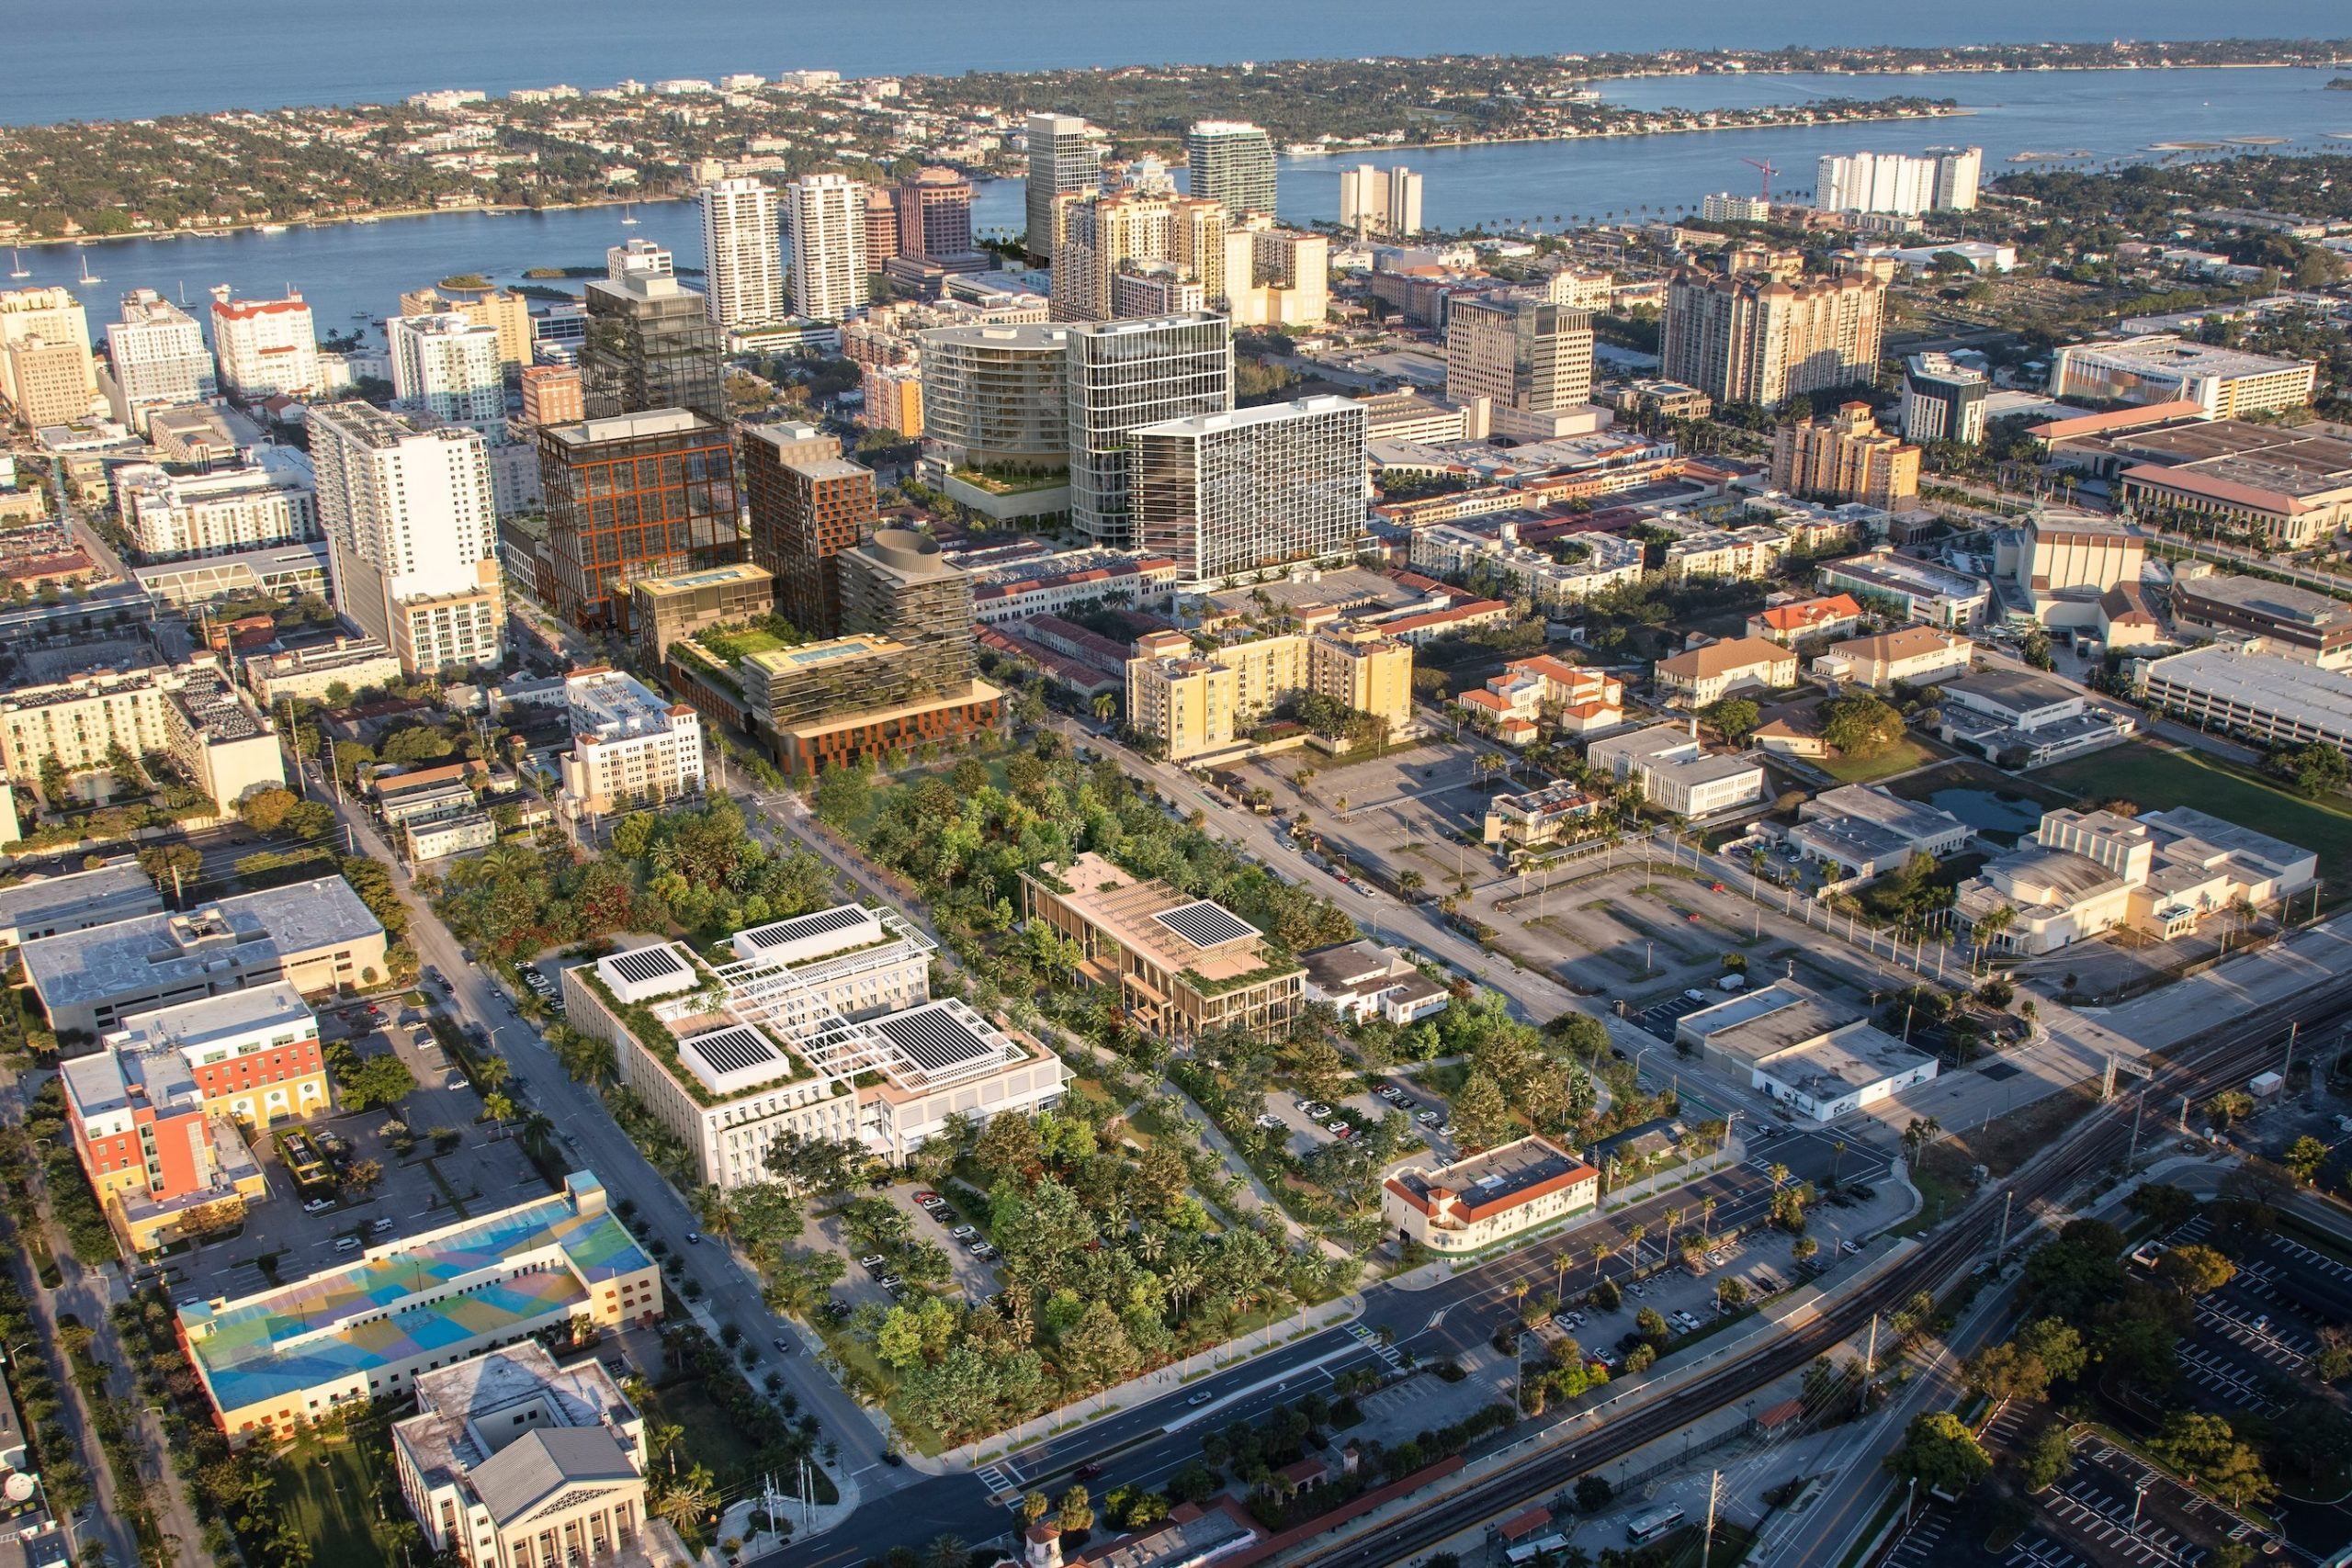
pixel 2040 1188
pixel 1449 1319
pixel 580 1116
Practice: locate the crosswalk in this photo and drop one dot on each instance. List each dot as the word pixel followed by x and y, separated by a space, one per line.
pixel 1373 1342
pixel 2208 1370
pixel 996 1480
pixel 2108 1521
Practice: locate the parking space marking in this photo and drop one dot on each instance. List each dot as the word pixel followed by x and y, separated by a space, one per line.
pixel 2208 1370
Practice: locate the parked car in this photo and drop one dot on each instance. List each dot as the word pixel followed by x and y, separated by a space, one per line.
pixel 318 1205
pixel 1339 1129
pixel 927 1199
pixel 1428 1118
pixel 870 1262
pixel 783 1345
pixel 693 1239
pixel 380 1226
pixel 963 1233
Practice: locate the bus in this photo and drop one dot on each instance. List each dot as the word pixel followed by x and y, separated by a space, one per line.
pixel 1649 1526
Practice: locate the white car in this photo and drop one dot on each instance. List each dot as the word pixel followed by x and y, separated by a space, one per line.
pixel 1428 1118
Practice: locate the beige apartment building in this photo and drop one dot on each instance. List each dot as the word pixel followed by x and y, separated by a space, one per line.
pixel 1753 339
pixel 188 713
pixel 1846 458
pixel 1519 352
pixel 1197 701
pixel 629 746
pixel 508 313
pixel 48 382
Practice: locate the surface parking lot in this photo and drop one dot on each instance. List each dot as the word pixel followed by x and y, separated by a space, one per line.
pixel 422 1190
pixel 2251 1344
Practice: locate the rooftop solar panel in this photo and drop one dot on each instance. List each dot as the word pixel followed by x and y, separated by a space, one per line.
pixel 817 922
pixel 650 964
pixel 1204 924
pixel 733 1049
pixel 935 1037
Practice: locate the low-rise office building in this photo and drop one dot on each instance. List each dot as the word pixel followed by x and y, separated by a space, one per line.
pixel 2021 719
pixel 1868 831
pixel 1363 980
pixel 2293 623
pixel 2162 874
pixel 337 1340
pixel 1532 820
pixel 1705 674
pixel 1676 773
pixel 1803 1050
pixel 511 1461
pixel 45 906
pixel 629 746
pixel 822 1027
pixel 1489 1198
pixel 1910 588
pixel 2226 383
pixel 316 935
pixel 1184 966
pixel 307 674
pixel 1915 655
pixel 856 699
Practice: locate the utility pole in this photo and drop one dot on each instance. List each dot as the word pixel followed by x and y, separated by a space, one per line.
pixel 1707 1543
pixel 1869 1365
pixel 2287 1066
pixel 2138 1102
pixel 2007 1200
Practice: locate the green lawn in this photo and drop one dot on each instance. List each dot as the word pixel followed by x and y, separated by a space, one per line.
pixel 2156 780
pixel 1901 757
pixel 330 1489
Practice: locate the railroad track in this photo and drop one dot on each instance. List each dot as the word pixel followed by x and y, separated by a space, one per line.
pixel 2222 1058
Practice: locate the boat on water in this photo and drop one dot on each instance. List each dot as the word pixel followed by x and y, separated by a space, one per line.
pixel 628 217
pixel 1307 150
pixel 269 228
pixel 17 267
pixel 87 275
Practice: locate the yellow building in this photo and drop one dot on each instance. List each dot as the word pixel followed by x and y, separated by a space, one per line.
pixel 1366 669
pixel 1846 458
pixel 1195 702
pixel 510 314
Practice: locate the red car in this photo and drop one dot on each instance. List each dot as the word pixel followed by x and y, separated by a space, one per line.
pixel 926 1197
pixel 1716 888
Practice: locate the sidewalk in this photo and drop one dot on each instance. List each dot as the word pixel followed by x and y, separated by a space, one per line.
pixel 1143 1390
pixel 1654 1460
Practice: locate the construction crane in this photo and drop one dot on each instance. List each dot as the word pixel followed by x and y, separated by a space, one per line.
pixel 1767 170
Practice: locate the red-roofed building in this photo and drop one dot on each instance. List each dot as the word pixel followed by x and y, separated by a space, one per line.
pixel 2288 505
pixel 1789 623
pixel 1476 1203
pixel 1018 589
pixel 1579 700
pixel 1426 626
pixel 266 347
pixel 2115 421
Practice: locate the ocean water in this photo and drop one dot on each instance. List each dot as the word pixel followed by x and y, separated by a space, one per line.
pixel 355 273
pixel 119 59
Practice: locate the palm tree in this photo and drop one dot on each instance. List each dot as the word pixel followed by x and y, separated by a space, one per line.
pixel 714 1210
pixel 491 1073
pixel 688 1499
pixel 1779 1173
pixel 1599 1251
pixel 1706 1217
pixel 1409 881
pixel 1673 1217
pixel 1633 1234
pixel 947 1552
pixel 1105 704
